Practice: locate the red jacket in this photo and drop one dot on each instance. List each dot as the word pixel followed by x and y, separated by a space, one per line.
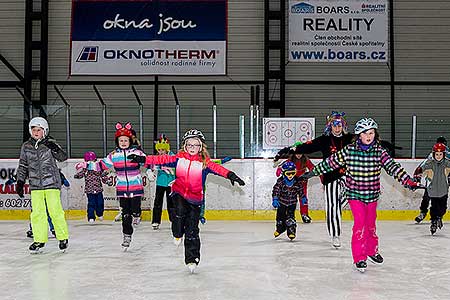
pixel 190 173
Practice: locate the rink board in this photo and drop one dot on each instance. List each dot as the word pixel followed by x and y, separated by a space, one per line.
pixel 223 201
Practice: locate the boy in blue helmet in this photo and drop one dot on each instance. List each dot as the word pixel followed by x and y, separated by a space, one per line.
pixel 284 199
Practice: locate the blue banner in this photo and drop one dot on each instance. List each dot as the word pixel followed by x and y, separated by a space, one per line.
pixel 149 20
pixel 149 37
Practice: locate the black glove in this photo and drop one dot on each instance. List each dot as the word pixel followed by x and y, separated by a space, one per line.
pixel 19 188
pixel 307 176
pixel 136 158
pixel 51 145
pixel 234 178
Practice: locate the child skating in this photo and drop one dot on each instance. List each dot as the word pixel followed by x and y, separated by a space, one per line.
pixel 37 163
pixel 129 187
pixel 418 172
pixel 164 178
pixel 303 164
pixel 94 177
pixel 363 160
pixel 285 193
pixel 191 164
pixel 436 171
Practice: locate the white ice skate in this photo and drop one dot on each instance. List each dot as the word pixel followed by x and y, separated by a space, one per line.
pixel 192 267
pixel 155 226
pixel 336 242
pixel 177 241
pixel 136 221
pixel 126 242
pixel 91 221
pixel 100 218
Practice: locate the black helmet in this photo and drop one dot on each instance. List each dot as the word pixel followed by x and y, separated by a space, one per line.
pixel 441 140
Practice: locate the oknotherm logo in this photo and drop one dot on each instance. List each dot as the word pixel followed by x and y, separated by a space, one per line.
pixel 302 8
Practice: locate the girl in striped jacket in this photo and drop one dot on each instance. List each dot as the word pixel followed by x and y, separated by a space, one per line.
pixel 129 187
pixel 363 160
pixel 192 164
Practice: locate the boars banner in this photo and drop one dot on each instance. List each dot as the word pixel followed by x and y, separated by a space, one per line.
pixel 338 31
pixel 148 37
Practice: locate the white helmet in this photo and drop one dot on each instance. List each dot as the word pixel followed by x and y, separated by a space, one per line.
pixel 193 133
pixel 39 122
pixel 365 124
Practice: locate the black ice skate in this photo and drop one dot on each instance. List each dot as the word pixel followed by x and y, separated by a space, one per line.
pixel 291 236
pixel 30 234
pixel 126 241
pixel 376 259
pixel 63 245
pixel 433 227
pixel 36 247
pixel 306 219
pixel 420 217
pixel 361 266
pixel 53 233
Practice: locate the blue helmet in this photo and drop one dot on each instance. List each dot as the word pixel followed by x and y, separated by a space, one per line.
pixel 288 166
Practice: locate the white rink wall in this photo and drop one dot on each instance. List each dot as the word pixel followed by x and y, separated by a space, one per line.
pixel 258 174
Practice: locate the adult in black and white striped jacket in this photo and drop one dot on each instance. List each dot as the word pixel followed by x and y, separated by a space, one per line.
pixel 334 138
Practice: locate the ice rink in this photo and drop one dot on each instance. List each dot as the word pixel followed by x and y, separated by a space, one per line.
pixel 240 260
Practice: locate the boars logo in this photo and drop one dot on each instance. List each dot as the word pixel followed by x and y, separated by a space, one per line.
pixel 88 54
pixel 302 8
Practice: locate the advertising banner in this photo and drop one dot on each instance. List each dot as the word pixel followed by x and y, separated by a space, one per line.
pixel 338 31
pixel 73 196
pixel 148 37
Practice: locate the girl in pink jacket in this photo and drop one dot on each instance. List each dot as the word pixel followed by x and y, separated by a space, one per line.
pixel 192 164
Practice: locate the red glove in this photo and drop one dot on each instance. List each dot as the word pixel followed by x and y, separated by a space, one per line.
pixel 411 184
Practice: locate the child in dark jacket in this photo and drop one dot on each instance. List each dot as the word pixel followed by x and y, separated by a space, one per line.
pixel 284 198
pixel 93 176
pixel 191 164
pixel 436 171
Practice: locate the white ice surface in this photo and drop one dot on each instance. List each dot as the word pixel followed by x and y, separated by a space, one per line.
pixel 240 260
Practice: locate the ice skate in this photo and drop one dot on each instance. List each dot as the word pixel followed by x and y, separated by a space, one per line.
pixel 336 242
pixel 136 221
pixel 30 234
pixel 420 217
pixel 155 226
pixel 439 223
pixel 53 233
pixel 306 219
pixel 91 221
pixel 361 266
pixel 276 233
pixel 291 236
pixel 376 259
pixel 126 241
pixel 433 227
pixel 63 245
pixel 100 218
pixel 177 241
pixel 192 267
pixel 36 247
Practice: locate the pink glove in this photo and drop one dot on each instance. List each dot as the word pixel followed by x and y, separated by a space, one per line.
pixel 81 165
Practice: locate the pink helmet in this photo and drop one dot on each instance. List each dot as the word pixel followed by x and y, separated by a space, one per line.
pixel 88 156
